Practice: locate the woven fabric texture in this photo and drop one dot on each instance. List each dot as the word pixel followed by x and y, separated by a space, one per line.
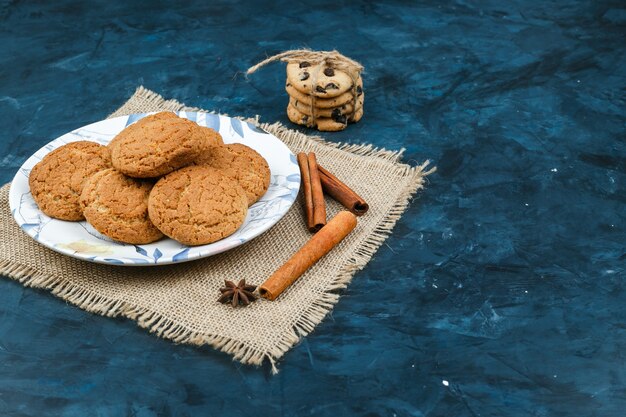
pixel 179 302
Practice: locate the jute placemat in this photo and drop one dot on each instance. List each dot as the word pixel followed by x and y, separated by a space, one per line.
pixel 179 302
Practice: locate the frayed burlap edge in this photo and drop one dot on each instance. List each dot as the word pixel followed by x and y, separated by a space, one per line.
pixel 166 328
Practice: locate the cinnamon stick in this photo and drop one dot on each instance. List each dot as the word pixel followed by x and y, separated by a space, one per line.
pixel 314 204
pixel 319 205
pixel 342 193
pixel 305 174
pixel 319 245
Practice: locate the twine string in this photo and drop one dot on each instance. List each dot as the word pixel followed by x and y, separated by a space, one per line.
pixel 314 76
pixel 332 58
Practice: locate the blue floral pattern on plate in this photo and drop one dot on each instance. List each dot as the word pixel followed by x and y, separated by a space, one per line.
pixel 82 241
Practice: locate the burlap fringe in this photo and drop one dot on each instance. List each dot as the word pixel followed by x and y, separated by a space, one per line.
pixel 167 329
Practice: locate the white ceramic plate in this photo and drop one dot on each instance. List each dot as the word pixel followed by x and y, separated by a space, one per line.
pixel 81 240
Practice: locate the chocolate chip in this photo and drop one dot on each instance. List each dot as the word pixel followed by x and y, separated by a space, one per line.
pixel 332 86
pixel 336 113
pixel 304 64
pixel 359 90
pixel 305 119
pixel 329 72
pixel 288 85
pixel 340 119
pixel 320 89
pixel 304 76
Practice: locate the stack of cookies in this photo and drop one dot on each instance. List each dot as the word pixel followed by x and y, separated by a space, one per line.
pixel 163 175
pixel 323 97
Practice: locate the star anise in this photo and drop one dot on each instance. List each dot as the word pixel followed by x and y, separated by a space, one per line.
pixel 235 294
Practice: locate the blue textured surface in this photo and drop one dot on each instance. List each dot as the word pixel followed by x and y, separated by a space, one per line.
pixel 501 291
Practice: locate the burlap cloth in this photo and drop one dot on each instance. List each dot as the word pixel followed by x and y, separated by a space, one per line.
pixel 179 302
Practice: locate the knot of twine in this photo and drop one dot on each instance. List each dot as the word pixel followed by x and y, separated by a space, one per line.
pixel 332 59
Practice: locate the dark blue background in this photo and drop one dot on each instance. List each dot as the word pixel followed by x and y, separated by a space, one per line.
pixel 501 291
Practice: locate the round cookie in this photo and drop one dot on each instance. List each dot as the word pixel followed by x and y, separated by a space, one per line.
pixel 345 109
pixel 329 82
pixel 156 145
pixel 211 136
pixel 57 180
pixel 297 117
pixel 117 206
pixel 162 115
pixel 197 205
pixel 241 163
pixel 324 124
pixel 324 103
pixel 147 119
pixel 356 116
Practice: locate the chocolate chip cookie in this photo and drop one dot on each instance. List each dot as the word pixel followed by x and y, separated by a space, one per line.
pixel 324 103
pixel 57 180
pixel 356 116
pixel 243 164
pixel 345 109
pixel 328 82
pixel 197 205
pixel 324 124
pixel 117 206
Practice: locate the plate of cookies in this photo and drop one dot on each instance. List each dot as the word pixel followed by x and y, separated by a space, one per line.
pixel 155 188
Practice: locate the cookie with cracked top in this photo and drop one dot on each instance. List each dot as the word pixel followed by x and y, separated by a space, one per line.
pixel 117 206
pixel 197 205
pixel 211 136
pixel 58 179
pixel 158 144
pixel 241 163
